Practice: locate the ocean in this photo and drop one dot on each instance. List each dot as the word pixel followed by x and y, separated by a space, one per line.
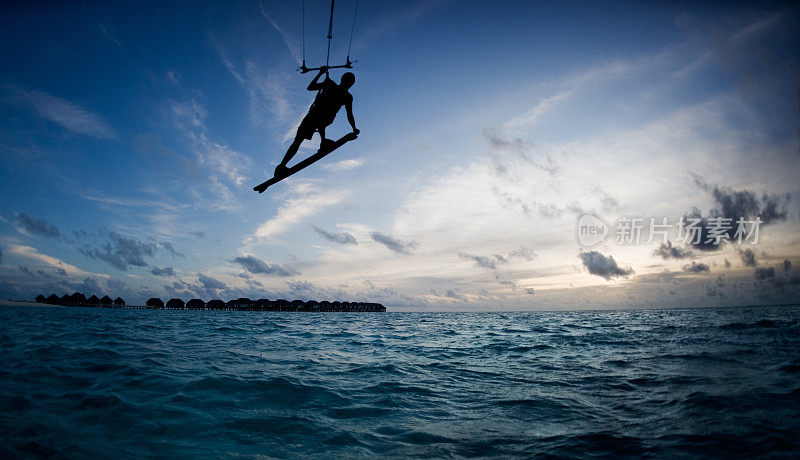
pixel 89 382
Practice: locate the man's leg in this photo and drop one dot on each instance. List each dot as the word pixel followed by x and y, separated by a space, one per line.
pixel 290 152
pixel 323 142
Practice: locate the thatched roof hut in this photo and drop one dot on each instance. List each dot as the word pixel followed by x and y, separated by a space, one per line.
pixel 93 300
pixel 264 305
pixel 65 300
pixel 41 298
pixel 106 301
pixel 195 304
pixel 155 302
pixel 77 298
pixel 242 303
pixel 175 304
pixel 215 304
pixel 53 299
pixel 118 302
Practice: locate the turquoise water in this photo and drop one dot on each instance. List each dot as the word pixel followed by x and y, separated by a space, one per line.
pixel 80 382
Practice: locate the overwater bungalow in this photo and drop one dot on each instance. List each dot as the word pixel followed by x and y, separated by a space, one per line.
pixel 215 304
pixel 298 305
pixel 93 301
pixel 175 304
pixel 241 303
pixel 106 301
pixel 195 304
pixel 65 300
pixel 77 298
pixel 325 306
pixel 119 303
pixel 312 305
pixel 264 305
pixel 41 298
pixel 53 299
pixel 155 302
pixel 282 305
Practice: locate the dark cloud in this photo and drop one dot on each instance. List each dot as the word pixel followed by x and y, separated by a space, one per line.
pixel 762 273
pixel 90 286
pixel 523 253
pixel 198 234
pixel 211 283
pixel 605 267
pixel 120 252
pixel 491 263
pixel 257 266
pixel 166 271
pixel 517 145
pixel 35 226
pixel 482 261
pixel 748 257
pixel 394 244
pixel 511 283
pixel 529 291
pixel 25 270
pixel 735 205
pixel 520 147
pixel 668 251
pixel 171 249
pixel 341 238
pixel 301 286
pixel 608 202
pixel 695 267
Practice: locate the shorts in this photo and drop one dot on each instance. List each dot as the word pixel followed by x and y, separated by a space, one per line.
pixel 311 123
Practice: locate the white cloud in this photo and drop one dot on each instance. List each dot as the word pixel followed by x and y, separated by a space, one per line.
pixel 264 88
pixel 289 41
pixel 296 210
pixel 32 253
pixel 345 165
pixel 66 114
pixel 223 159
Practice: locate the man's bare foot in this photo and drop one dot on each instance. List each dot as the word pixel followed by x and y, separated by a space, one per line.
pixel 326 144
pixel 281 170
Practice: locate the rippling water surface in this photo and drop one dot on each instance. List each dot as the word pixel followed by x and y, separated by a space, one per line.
pixel 127 383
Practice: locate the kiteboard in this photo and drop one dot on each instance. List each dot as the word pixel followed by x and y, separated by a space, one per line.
pixel 323 150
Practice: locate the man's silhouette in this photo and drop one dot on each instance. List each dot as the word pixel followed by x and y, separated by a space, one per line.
pixel 329 100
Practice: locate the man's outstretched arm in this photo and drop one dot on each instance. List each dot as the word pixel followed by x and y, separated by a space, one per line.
pixel 314 85
pixel 349 107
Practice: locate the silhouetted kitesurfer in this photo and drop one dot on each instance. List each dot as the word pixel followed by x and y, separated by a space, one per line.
pixel 330 98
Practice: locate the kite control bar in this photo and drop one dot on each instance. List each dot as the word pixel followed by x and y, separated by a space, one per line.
pixel 349 65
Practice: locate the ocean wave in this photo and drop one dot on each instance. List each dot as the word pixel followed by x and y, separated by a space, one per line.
pixel 218 384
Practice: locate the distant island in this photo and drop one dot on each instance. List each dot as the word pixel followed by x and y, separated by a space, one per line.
pixel 77 299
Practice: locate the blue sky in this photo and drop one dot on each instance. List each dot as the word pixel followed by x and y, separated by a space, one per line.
pixel 131 136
